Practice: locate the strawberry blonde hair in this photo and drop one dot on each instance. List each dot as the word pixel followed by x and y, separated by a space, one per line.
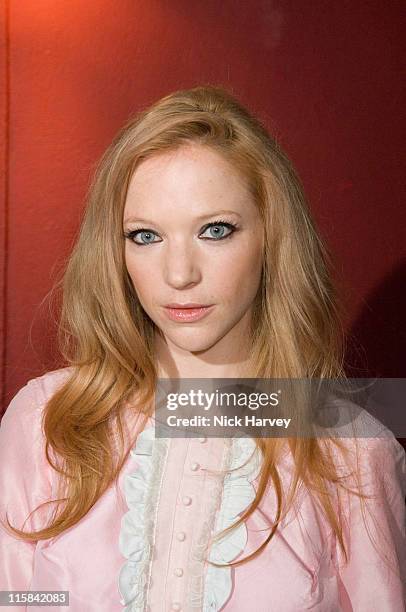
pixel 107 338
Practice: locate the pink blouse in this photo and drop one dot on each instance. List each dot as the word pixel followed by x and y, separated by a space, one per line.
pixel 143 544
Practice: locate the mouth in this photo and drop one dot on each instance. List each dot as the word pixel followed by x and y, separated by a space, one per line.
pixel 187 314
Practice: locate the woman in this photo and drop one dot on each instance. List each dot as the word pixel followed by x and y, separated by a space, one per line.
pixel 194 203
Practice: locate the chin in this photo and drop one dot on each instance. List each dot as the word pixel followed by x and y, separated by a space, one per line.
pixel 194 343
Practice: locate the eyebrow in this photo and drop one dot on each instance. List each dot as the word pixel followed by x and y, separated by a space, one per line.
pixel 206 216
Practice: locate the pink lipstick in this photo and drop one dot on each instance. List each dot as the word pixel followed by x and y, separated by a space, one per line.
pixel 187 313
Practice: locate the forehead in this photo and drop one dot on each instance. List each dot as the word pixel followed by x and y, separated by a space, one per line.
pixel 192 171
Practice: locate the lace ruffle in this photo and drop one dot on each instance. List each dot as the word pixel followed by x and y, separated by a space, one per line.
pixel 212 499
pixel 238 493
pixel 137 534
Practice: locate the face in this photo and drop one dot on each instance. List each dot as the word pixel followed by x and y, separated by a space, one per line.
pixel 193 235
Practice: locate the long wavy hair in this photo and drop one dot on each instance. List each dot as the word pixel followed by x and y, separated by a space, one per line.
pixel 106 337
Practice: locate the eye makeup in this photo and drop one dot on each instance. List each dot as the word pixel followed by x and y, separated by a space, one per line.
pixel 233 227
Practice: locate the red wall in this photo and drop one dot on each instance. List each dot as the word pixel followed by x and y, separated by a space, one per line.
pixel 324 76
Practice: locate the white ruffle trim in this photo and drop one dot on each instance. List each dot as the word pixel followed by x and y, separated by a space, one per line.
pixel 238 493
pixel 137 534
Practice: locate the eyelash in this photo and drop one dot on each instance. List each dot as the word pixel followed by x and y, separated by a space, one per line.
pixel 232 226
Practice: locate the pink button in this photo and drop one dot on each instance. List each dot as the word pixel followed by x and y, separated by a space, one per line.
pixel 195 466
pixel 202 440
pixel 178 571
pixel 187 500
pixel 181 535
pixel 176 606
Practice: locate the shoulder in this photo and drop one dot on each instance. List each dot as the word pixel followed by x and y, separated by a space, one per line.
pixel 377 464
pixel 362 436
pixel 46 385
pixel 22 438
pixel 26 476
pixel 25 408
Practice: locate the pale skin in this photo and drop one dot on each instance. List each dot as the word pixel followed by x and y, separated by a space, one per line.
pixel 172 197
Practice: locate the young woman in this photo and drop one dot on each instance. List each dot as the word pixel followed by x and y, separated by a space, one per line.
pixel 197 258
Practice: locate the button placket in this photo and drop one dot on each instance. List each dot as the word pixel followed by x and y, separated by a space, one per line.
pixel 179 554
pixel 189 492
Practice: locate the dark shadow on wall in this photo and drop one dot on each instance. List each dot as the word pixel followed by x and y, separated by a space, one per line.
pixel 377 338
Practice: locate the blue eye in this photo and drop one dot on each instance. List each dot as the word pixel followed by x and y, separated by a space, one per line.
pixel 146 232
pixel 215 237
pixel 221 225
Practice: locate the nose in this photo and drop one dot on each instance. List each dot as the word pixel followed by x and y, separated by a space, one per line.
pixel 181 267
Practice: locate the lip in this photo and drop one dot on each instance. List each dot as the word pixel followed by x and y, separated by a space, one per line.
pixel 186 305
pixel 187 314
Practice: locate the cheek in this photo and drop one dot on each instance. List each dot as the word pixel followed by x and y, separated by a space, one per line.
pixel 142 276
pixel 244 263
pixel 238 275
